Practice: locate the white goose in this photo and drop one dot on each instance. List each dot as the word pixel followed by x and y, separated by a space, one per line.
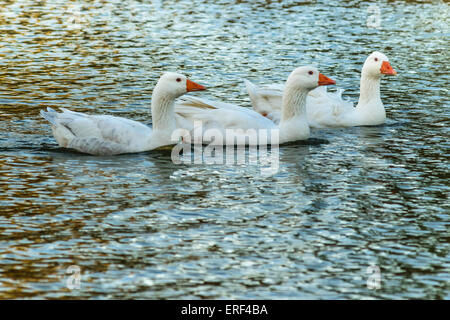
pixel 221 117
pixel 108 135
pixel 326 109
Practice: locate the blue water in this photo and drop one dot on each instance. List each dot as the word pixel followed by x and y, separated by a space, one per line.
pixel 356 204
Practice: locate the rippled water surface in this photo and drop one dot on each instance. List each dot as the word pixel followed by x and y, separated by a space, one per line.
pixel 363 200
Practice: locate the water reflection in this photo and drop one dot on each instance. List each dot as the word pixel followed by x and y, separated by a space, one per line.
pixel 140 226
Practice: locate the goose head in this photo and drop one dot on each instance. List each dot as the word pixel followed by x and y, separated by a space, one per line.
pixel 308 78
pixel 377 64
pixel 170 86
pixel 299 83
pixel 174 85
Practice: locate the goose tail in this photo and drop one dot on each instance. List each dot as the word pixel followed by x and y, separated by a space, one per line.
pixel 49 115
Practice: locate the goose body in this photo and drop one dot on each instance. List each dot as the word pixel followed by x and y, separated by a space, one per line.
pixel 100 134
pixel 208 122
pixel 109 135
pixel 221 118
pixel 327 109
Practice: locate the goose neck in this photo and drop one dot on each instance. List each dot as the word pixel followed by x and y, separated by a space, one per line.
pixel 163 116
pixel 369 90
pixel 294 104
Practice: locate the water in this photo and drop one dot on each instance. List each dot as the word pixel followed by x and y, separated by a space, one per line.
pixel 138 226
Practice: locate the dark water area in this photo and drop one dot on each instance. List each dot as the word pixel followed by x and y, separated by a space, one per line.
pixel 353 204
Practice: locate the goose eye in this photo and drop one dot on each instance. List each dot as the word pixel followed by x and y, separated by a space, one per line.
pixel 376 59
pixel 310 72
pixel 178 79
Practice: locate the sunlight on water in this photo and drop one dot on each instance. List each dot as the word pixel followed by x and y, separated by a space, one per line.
pixel 140 226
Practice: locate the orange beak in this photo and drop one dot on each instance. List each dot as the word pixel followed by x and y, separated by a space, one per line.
pixel 387 69
pixel 325 81
pixel 192 86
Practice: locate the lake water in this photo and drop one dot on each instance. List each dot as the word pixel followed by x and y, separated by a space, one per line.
pixel 355 213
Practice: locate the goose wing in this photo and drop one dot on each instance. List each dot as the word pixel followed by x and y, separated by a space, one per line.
pixel 97 134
